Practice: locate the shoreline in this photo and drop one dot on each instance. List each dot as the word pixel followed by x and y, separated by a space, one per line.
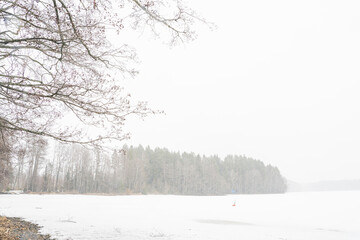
pixel 13 228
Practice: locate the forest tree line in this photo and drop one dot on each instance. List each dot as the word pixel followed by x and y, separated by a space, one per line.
pixel 136 170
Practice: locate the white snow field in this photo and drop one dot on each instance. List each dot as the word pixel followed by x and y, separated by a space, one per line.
pixel 291 216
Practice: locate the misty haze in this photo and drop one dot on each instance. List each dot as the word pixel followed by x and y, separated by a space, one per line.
pixel 174 119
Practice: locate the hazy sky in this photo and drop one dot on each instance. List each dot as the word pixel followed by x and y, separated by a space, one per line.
pixel 277 81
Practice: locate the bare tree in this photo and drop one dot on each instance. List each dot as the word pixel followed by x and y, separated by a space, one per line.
pixel 38 150
pixel 56 61
pixel 5 159
pixel 20 157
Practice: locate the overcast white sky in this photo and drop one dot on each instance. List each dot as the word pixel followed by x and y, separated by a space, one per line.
pixel 277 81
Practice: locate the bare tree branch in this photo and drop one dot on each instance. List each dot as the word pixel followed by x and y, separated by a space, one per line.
pixel 56 63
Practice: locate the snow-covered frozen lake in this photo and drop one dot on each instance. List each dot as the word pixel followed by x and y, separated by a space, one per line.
pixel 291 216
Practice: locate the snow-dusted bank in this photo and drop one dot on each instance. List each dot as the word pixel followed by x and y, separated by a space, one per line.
pixel 292 216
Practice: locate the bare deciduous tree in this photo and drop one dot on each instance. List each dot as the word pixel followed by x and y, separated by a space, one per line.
pixel 56 61
pixel 5 159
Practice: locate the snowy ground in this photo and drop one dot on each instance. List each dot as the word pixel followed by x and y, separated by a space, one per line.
pixel 291 216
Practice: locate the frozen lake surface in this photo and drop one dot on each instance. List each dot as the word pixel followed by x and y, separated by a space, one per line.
pixel 291 216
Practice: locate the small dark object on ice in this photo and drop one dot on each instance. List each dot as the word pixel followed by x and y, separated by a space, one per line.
pixel 18 229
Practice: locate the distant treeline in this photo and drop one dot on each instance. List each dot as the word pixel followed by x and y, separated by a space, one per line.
pixel 73 168
pixel 161 171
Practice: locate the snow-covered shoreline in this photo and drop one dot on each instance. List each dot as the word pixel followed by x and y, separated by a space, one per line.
pixel 326 215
